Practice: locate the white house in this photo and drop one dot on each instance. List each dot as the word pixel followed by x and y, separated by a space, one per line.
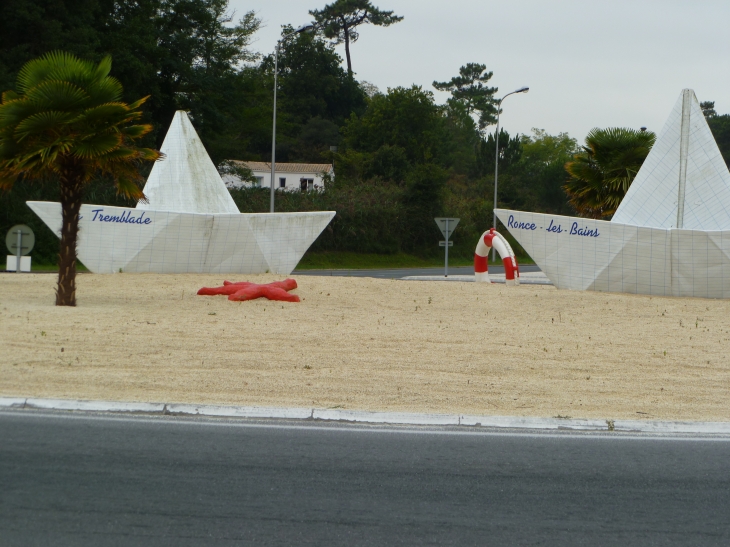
pixel 289 176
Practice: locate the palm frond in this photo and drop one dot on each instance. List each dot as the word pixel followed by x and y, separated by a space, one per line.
pixel 602 173
pixel 9 96
pixel 108 90
pixel 57 95
pixel 114 112
pixel 67 116
pixel 53 65
pixel 42 121
pixel 103 68
pixel 136 104
pixel 136 131
pixel 129 188
pixel 98 146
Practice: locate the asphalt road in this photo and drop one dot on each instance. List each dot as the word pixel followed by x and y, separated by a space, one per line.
pixel 396 273
pixel 102 481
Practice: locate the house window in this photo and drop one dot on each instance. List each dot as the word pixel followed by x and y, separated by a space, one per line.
pixel 282 182
pixel 258 182
pixel 306 184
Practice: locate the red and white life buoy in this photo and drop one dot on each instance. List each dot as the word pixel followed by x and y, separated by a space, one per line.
pixel 490 239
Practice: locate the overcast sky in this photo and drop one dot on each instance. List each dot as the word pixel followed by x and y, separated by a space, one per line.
pixel 588 63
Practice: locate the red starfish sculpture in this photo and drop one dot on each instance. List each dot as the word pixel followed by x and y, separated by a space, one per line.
pixel 244 290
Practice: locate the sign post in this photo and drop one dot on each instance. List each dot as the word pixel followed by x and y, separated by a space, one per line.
pixel 20 241
pixel 447 227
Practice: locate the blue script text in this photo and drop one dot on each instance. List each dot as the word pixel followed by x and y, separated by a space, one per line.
pixel 585 232
pixel 520 225
pixel 553 228
pixel 125 218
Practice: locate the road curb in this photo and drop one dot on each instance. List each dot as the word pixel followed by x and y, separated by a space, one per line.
pixel 369 417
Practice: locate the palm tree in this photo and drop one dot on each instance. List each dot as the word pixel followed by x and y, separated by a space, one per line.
pixel 600 175
pixel 65 122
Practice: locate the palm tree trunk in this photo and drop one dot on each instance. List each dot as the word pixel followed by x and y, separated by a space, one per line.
pixel 70 206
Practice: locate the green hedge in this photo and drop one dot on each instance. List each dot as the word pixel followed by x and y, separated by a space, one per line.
pixel 371 217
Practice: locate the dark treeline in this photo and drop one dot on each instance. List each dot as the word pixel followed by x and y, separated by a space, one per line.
pixel 401 158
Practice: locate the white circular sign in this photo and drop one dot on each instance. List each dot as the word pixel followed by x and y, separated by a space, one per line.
pixel 27 240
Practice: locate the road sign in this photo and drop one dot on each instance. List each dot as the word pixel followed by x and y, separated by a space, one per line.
pixel 19 241
pixel 447 225
pixel 27 239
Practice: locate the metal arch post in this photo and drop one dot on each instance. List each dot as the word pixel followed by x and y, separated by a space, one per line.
pixel 273 132
pixel 18 251
pixel 496 169
pixel 496 158
pixel 446 256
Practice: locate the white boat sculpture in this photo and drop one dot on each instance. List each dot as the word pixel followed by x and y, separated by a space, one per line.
pixel 671 234
pixel 190 223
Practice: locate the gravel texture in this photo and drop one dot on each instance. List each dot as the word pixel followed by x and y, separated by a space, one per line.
pixel 369 344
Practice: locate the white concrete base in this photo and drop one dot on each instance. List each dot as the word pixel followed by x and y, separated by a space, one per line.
pixel 481 277
pixel 360 416
pixel 11 263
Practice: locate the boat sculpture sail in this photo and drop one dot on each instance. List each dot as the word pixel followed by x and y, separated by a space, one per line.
pixel 190 223
pixel 671 234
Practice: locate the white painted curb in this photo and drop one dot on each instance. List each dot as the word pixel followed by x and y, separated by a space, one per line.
pixel 240 411
pixel 533 423
pixel 93 406
pixel 672 427
pixel 12 402
pixel 404 418
pixel 360 416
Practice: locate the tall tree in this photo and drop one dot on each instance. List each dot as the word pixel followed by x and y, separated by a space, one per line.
pixel 30 28
pixel 190 55
pixel 535 182
pixel 406 118
pixel 65 122
pixel 469 89
pixel 720 127
pixel 340 19
pixel 186 54
pixel 312 82
pixel 601 174
pixel 315 97
pixel 708 109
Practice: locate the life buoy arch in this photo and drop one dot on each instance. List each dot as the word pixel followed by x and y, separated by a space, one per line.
pixel 489 239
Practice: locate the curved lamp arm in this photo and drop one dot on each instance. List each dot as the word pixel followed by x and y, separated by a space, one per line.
pixel 301 29
pixel 524 89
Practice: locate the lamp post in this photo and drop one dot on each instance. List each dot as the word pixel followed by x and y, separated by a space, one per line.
pixel 496 157
pixel 273 132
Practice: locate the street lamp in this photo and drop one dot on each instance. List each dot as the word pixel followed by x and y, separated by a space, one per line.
pixel 304 28
pixel 496 157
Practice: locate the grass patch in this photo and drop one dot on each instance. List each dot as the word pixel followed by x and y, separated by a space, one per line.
pixel 35 267
pixel 331 260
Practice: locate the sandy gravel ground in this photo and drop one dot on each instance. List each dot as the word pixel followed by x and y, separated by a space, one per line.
pixel 369 344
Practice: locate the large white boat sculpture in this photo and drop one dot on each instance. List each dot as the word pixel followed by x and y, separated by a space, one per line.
pixel 671 234
pixel 190 223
